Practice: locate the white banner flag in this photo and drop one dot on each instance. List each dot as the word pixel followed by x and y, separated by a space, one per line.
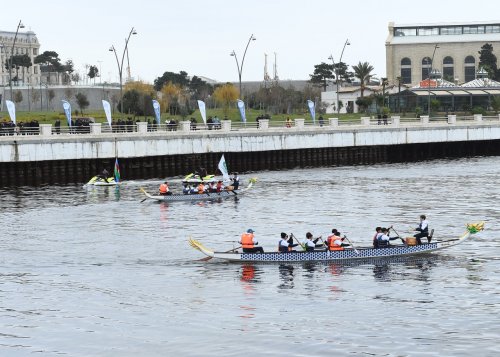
pixel 312 110
pixel 241 107
pixel 223 168
pixel 156 107
pixel 201 105
pixel 67 111
pixel 11 107
pixel 107 110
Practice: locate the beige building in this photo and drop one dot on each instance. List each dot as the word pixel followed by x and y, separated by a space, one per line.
pixel 455 47
pixel 26 43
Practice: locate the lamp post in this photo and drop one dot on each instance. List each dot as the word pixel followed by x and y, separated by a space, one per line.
pixel 429 82
pixel 240 69
pixel 346 43
pixel 1 59
pixel 120 65
pixel 19 26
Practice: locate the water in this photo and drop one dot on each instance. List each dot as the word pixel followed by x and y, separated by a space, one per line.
pixel 98 273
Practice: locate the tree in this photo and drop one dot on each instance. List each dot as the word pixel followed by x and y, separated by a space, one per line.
pixel 68 72
pixel 35 95
pixel 488 61
pixel 131 100
pixel 75 77
pixel 93 72
pixel 199 88
pixel 363 71
pixel 225 95
pixel 495 103
pixel 174 78
pixel 322 73
pixel 81 101
pixel 51 62
pixel 18 96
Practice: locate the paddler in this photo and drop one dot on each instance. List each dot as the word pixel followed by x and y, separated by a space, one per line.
pixel 334 241
pixel 286 243
pixel 164 190
pixel 248 244
pixel 201 187
pixel 423 229
pixel 310 243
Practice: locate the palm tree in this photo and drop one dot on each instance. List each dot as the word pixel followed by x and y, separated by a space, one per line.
pixel 362 71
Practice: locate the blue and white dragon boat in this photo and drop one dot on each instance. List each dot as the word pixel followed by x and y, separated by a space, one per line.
pixel 339 255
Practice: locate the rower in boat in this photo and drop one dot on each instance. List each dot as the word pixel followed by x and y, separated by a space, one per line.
pixel 248 244
pixel 378 232
pixel 423 229
pixel 236 181
pixel 164 190
pixel 286 244
pixel 201 188
pixel 310 243
pixel 219 187
pixel 186 189
pixel 335 241
pixel 104 175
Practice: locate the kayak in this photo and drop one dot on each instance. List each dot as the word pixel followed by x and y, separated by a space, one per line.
pixel 339 255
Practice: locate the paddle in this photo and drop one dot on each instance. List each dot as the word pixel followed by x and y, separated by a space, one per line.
pixel 402 240
pixel 228 251
pixel 352 245
pixel 301 245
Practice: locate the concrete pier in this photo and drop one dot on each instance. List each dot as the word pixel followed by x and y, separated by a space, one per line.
pixel 68 158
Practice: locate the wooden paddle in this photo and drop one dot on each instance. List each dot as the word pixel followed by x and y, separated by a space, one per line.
pixel 352 245
pixel 301 245
pixel 228 251
pixel 402 240
pixel 143 190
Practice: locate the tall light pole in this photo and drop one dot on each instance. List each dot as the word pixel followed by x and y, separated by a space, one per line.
pixel 346 43
pixel 336 79
pixel 429 82
pixel 19 26
pixel 240 69
pixel 120 65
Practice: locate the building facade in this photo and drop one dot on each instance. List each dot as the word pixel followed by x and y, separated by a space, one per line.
pixel 455 47
pixel 26 43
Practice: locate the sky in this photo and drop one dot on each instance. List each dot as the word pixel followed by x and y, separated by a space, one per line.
pixel 198 36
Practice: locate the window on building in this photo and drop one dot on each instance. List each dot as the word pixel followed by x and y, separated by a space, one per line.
pixel 426 67
pixel 428 31
pixel 470 68
pixel 451 30
pixel 492 28
pixel 448 70
pixel 473 29
pixel 35 52
pixel 406 70
pixel 405 32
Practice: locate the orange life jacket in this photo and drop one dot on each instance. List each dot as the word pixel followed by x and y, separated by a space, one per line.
pixel 330 241
pixel 201 188
pixel 163 188
pixel 247 240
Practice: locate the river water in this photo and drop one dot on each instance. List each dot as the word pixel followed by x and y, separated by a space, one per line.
pixel 97 272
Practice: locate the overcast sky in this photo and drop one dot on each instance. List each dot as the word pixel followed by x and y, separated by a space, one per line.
pixel 197 36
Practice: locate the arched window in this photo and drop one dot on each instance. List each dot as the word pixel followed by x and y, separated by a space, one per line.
pixel 426 67
pixel 470 68
pixel 448 69
pixel 406 70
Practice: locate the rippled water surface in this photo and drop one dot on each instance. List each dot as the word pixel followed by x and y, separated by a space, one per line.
pixel 97 272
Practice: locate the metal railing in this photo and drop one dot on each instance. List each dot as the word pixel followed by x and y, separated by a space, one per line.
pixel 8 129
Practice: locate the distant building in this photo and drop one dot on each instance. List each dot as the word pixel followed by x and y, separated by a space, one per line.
pixel 409 50
pixel 26 43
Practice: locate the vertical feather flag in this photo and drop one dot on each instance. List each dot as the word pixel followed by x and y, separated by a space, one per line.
pixel 312 110
pixel 107 110
pixel 156 107
pixel 241 107
pixel 203 112
pixel 11 107
pixel 67 110
pixel 117 171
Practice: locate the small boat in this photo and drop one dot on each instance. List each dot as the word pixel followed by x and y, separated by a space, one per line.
pixel 196 179
pixel 199 196
pixel 339 255
pixel 99 181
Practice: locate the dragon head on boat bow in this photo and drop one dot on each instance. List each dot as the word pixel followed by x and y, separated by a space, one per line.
pixel 475 227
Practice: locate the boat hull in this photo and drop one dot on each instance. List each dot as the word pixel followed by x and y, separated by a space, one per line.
pixel 401 250
pixel 97 181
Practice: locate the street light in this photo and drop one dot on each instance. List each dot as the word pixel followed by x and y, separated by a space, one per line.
pixel 240 69
pixel 19 26
pixel 347 43
pixel 120 65
pixel 429 82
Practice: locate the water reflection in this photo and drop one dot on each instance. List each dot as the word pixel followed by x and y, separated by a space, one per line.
pixel 286 273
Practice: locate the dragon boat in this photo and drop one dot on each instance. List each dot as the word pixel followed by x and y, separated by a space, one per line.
pixel 200 196
pixel 339 255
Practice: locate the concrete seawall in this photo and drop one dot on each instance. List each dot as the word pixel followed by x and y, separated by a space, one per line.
pixel 39 159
